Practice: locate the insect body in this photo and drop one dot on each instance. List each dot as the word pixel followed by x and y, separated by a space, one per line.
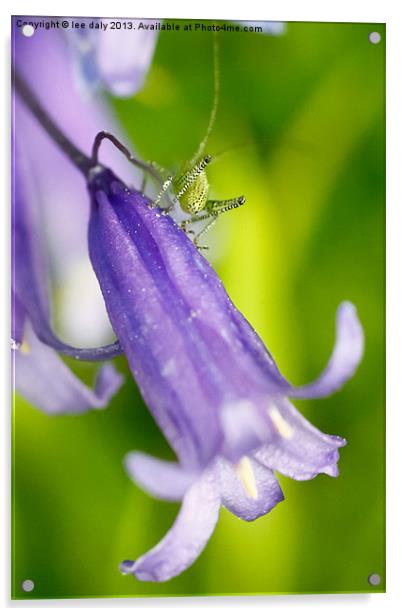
pixel 191 187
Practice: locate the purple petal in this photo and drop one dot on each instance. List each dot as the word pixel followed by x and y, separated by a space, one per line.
pixel 108 383
pixel 58 181
pixel 189 349
pixel 30 276
pixel 83 49
pixel 42 378
pixel 186 539
pixel 40 374
pixel 64 201
pixel 299 450
pixel 123 58
pixel 18 320
pixel 204 373
pixel 167 356
pixel 249 490
pixel 29 270
pixel 161 479
pixel 119 60
pixel 244 427
pixel 345 357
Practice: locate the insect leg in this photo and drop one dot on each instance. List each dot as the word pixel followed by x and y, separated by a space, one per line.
pixel 192 220
pixel 213 218
pixel 184 224
pixel 165 186
pixel 214 209
pixel 196 218
pixel 219 207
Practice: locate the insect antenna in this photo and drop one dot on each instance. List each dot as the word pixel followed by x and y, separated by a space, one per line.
pixel 214 109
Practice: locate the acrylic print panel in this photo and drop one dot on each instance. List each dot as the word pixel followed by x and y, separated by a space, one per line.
pixel 157 447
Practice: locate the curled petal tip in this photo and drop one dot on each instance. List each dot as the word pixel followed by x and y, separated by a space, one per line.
pixel 332 471
pixel 332 467
pixel 345 358
pixel 349 325
pixel 63 393
pixel 126 567
pixel 339 441
pixel 108 382
pixel 350 339
pixel 347 306
pixel 188 536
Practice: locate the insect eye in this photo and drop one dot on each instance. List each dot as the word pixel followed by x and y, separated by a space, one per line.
pixel 207 159
pixel 241 200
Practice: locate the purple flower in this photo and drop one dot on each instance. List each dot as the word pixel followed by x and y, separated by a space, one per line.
pixel 50 212
pixel 64 205
pixel 210 383
pixel 35 361
pixel 117 59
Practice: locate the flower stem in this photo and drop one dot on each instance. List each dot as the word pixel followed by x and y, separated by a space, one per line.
pixel 78 158
pixel 84 164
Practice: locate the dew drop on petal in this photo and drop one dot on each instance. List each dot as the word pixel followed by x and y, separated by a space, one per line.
pixel 169 367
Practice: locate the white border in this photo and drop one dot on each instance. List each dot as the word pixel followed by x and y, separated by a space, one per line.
pixel 285 10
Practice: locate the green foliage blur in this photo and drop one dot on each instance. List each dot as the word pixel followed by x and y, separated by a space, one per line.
pixel 301 123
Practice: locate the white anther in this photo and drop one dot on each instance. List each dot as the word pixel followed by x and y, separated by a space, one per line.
pixel 284 429
pixel 246 475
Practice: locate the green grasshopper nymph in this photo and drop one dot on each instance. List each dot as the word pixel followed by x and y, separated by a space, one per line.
pixel 191 186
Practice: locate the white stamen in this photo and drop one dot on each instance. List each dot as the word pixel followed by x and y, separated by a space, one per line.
pixel 246 475
pixel 280 423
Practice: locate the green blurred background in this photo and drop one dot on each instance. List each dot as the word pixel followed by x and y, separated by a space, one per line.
pixel 302 116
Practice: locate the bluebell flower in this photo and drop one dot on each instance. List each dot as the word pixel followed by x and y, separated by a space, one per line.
pixel 50 213
pixel 51 78
pixel 117 60
pixel 211 385
pixel 40 375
